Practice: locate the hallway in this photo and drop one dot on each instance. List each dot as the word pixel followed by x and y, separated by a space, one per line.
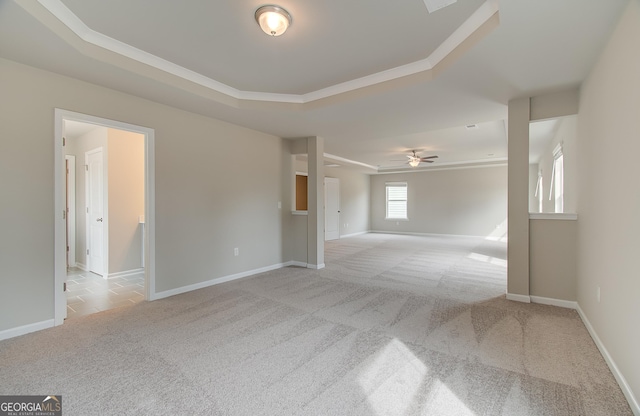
pixel 89 293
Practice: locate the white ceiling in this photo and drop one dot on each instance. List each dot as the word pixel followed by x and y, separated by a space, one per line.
pixel 373 78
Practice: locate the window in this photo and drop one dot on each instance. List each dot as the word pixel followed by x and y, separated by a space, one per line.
pixel 540 191
pixel 397 200
pixel 557 179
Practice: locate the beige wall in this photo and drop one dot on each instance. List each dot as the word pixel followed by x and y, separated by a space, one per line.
pixel 609 197
pixel 126 199
pixel 354 199
pixel 518 199
pixel 455 201
pixel 354 208
pixel 552 256
pixel 206 202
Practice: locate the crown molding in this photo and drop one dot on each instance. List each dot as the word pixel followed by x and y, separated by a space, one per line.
pixel 481 16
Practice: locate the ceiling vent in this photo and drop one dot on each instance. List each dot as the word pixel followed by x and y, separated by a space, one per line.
pixel 471 127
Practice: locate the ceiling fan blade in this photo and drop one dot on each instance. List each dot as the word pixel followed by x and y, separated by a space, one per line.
pixel 424 159
pixel 427 161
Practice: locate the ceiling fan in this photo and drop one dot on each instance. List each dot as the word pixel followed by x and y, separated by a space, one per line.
pixel 414 160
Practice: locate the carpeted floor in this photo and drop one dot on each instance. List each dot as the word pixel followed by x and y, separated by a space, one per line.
pixel 394 325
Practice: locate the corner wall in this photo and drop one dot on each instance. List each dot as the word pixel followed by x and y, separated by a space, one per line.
pixel 126 200
pixel 608 232
pixel 206 203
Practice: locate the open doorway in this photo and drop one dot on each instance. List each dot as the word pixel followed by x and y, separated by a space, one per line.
pixel 104 250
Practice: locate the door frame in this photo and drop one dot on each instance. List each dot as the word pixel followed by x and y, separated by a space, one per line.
pixel 70 163
pixel 60 260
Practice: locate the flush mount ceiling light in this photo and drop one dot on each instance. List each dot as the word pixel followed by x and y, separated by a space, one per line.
pixel 273 20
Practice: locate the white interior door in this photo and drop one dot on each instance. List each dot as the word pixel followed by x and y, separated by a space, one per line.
pixel 71 209
pixel 95 211
pixel 331 208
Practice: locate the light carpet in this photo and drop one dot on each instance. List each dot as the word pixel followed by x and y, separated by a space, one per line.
pixel 394 325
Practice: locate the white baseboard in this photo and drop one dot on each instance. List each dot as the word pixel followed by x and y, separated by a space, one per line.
pixel 295 263
pixel 353 234
pixel 622 382
pixel 427 234
pixel 554 302
pixel 216 281
pixel 126 273
pixel 519 298
pixel 81 266
pixel 25 329
pixel 315 266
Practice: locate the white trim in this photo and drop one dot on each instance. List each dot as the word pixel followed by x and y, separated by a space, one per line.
pixel 519 298
pixel 71 208
pixel 482 15
pixel 353 234
pixel 315 266
pixel 467 164
pixel 59 224
pixel 425 234
pixel 216 281
pixel 554 302
pixel 26 329
pixel 295 263
pixel 552 216
pixel 125 273
pixel 60 269
pixel 622 382
pixel 82 267
pixel 349 161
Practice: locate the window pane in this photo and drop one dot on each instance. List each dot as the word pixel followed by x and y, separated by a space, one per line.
pixel 397 201
pixel 559 183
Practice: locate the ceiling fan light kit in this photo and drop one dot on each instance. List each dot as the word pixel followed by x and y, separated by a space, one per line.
pixel 273 20
pixel 414 160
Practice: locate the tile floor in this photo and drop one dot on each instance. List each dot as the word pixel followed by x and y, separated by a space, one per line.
pixel 89 293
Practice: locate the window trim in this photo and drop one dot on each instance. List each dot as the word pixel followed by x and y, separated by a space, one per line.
pixel 388 185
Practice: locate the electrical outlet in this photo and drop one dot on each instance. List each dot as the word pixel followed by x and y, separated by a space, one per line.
pixel 598 294
pixel 236 251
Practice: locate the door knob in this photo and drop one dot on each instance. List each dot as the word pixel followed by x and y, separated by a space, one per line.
pixel 99 219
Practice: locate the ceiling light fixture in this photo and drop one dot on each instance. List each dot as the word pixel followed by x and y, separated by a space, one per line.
pixel 414 162
pixel 273 20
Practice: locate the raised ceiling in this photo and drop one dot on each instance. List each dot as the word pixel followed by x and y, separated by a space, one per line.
pixel 373 78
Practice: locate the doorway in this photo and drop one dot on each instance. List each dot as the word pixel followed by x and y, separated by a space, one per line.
pixel 96 265
pixel 331 209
